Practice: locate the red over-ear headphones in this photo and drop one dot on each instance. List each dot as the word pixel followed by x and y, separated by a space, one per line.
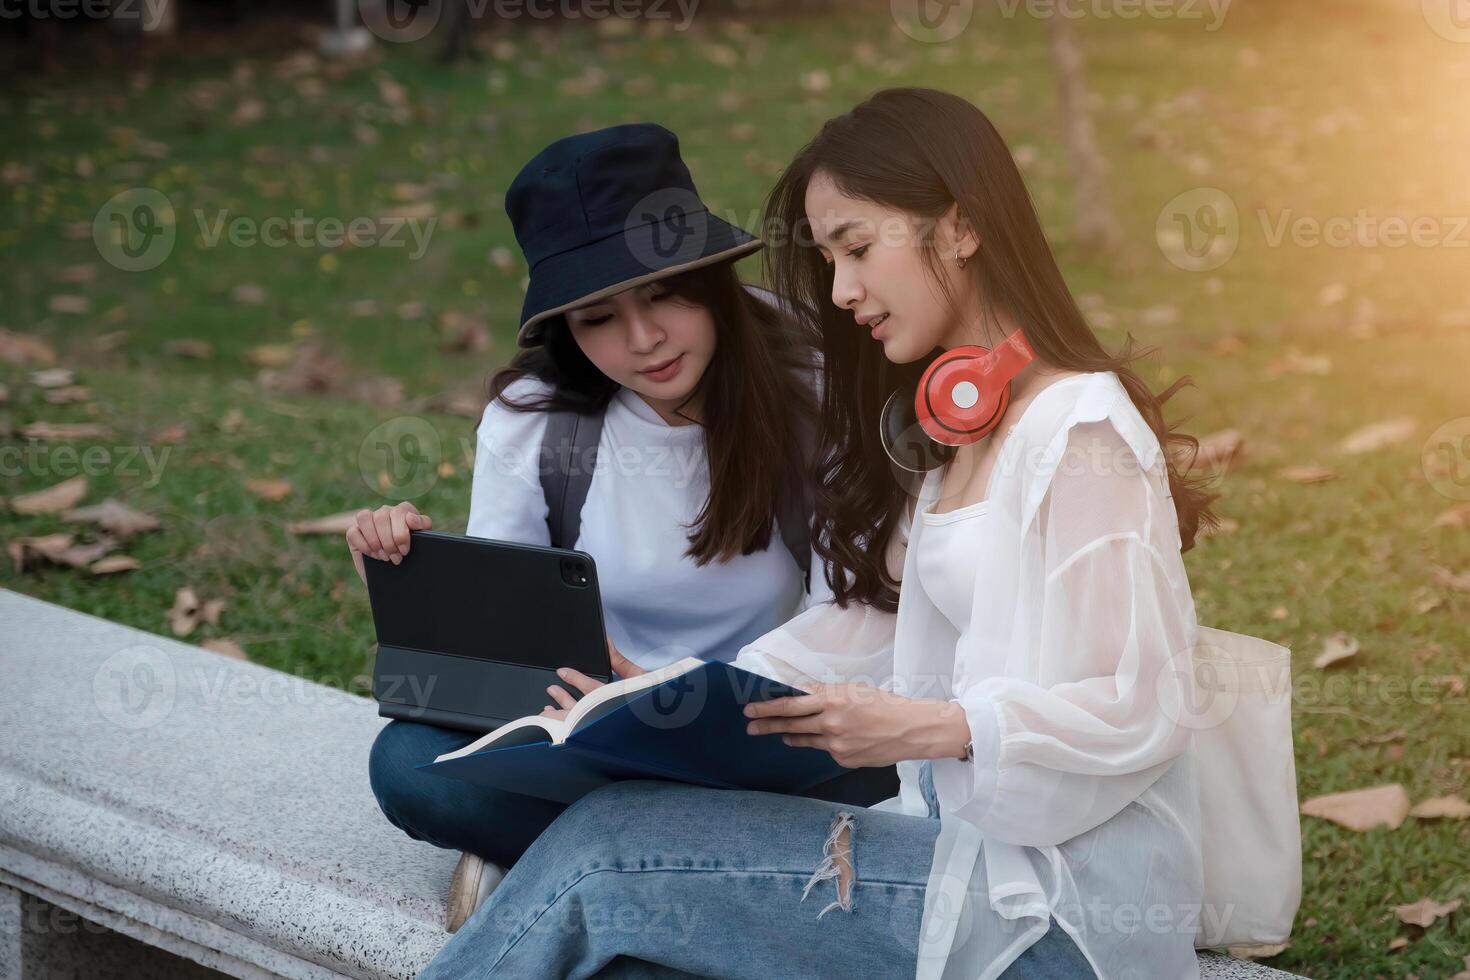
pixel 960 399
pixel 965 392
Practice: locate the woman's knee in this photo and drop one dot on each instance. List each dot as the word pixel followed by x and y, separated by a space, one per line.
pixel 400 746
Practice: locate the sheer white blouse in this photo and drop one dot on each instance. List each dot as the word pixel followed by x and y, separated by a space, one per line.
pixel 1081 802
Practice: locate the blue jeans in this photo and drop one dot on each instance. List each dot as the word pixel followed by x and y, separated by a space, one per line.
pixel 649 879
pixel 496 825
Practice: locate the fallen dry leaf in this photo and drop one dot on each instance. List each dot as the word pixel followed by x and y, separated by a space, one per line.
pixel 1362 809
pixel 112 340
pixel 408 191
pixel 68 395
pixel 1424 912
pixel 171 434
pixel 269 489
pixel 58 548
pixel 1219 451
pixel 23 348
pixel 503 260
pixel 463 334
pixel 311 370
pixel 1307 473
pixel 1454 517
pixel 114 563
pixel 227 647
pixel 1441 807
pixel 270 355
pixel 75 305
pixel 58 377
pixel 210 611
pixel 77 273
pixel 48 546
pixel 467 404
pixel 53 499
pixel 114 517
pixel 1379 435
pixel 1257 952
pixel 409 212
pixel 249 294
pixel 248 111
pixel 1447 578
pixel 1427 602
pixel 379 390
pixel 1295 362
pixel 188 347
pixel 1338 646
pixel 65 431
pixel 331 524
pixel 1398 942
pixel 184 616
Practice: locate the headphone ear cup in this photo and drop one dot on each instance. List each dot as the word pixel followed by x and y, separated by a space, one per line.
pixel 904 440
pixel 958 406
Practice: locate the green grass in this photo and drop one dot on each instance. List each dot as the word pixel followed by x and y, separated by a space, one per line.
pixel 1290 111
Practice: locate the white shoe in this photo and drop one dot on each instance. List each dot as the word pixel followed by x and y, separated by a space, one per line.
pixel 472 882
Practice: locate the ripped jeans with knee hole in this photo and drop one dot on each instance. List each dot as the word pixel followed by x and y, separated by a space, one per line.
pixel 652 879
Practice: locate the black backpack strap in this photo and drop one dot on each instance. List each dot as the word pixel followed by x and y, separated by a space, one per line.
pixel 571 442
pixel 793 518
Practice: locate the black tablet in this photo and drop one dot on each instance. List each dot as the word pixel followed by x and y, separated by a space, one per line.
pixel 471 630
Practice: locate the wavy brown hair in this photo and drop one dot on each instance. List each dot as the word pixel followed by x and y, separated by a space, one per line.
pixel 923 151
pixel 758 400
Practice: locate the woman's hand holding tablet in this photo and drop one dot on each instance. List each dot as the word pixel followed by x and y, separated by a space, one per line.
pixel 383 534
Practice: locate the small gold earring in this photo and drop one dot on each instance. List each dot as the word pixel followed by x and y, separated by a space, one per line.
pixel 959 260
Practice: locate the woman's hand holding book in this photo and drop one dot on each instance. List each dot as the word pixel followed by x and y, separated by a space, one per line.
pixel 621 666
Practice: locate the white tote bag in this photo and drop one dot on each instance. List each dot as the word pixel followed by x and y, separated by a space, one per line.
pixel 1250 828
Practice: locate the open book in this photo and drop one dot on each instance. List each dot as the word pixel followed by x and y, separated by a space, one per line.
pixel 682 722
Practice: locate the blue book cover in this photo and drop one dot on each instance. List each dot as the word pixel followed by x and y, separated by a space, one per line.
pixel 682 722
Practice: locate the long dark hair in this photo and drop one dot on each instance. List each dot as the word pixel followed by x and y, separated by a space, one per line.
pixel 757 399
pixel 922 151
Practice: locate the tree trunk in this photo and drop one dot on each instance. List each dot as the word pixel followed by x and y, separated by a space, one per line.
pixel 1096 226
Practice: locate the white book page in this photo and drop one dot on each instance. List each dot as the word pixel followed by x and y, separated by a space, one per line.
pixel 560 729
pixel 628 686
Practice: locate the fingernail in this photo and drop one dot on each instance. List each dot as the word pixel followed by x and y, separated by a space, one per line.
pixel 750 729
pixel 561 672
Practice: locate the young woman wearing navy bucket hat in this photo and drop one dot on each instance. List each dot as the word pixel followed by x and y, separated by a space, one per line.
pixel 672 404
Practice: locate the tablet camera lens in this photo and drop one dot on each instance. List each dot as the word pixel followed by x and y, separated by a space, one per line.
pixel 574 572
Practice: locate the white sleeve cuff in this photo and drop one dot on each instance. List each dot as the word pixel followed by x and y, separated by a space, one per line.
pixel 969 785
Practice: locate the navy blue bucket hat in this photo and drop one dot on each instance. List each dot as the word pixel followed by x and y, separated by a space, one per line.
pixel 602 212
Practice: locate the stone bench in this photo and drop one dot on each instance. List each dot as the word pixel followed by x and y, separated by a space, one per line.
pixel 169 812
